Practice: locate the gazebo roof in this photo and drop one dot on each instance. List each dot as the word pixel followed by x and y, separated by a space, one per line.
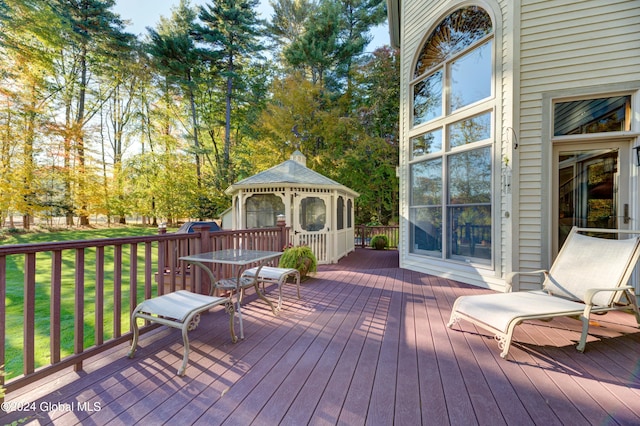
pixel 289 173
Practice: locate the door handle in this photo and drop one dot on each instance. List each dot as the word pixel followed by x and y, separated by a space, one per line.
pixel 626 218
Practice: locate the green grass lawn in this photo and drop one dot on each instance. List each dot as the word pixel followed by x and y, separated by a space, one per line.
pixel 15 290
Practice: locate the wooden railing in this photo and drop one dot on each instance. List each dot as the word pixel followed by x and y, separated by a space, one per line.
pixel 364 234
pixel 77 296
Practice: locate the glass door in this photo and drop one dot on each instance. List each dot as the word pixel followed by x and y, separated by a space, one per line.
pixel 591 188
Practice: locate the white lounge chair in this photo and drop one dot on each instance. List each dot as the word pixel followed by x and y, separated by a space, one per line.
pixel 588 276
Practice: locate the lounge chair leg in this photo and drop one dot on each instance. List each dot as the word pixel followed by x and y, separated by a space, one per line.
pixel 453 319
pixel 631 297
pixel 504 341
pixel 585 329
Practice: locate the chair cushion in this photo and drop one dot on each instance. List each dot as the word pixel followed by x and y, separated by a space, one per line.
pixel 585 263
pixel 270 273
pixel 178 305
pixel 497 310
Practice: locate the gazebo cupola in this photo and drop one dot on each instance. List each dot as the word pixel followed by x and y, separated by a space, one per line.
pixel 319 210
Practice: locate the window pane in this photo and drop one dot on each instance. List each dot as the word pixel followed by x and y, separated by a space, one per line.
pixel 349 208
pixel 340 213
pixel 470 177
pixel 263 210
pixel 470 233
pixel 313 214
pixel 472 130
pixel 427 143
pixel 471 77
pixel 426 183
pixel 427 99
pixel 592 116
pixel 456 32
pixel 426 231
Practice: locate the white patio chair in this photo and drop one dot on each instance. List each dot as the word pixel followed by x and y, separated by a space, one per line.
pixel 588 276
pixel 182 310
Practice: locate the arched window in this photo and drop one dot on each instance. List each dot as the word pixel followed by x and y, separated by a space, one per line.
pixel 457 56
pixel 451 139
pixel 340 213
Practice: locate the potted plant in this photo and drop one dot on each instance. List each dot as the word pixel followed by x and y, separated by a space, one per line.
pixel 379 242
pixel 300 258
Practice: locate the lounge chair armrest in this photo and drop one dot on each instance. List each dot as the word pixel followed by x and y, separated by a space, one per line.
pixel 588 296
pixel 511 275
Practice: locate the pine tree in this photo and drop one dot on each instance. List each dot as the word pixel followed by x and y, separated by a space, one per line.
pixel 231 29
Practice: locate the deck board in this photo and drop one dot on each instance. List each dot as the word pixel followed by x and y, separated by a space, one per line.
pixel 366 344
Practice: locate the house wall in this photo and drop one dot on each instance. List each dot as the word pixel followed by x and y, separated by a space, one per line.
pixel 566 48
pixel 544 49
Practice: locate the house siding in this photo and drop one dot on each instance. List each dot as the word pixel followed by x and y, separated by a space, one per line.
pixel 543 48
pixel 564 46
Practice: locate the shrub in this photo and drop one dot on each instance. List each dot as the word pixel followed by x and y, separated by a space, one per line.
pixel 379 242
pixel 300 258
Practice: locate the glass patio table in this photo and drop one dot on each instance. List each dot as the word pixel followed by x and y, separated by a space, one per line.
pixel 239 259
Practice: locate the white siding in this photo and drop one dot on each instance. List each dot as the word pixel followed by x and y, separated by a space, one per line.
pixel 543 47
pixel 565 45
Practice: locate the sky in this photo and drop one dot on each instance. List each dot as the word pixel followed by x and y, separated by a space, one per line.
pixel 146 13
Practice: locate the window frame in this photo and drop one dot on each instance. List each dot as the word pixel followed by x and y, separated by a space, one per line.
pixel 443 123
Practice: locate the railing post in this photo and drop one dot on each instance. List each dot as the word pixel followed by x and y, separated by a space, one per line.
pixel 202 281
pixel 3 315
pixel 163 255
pixel 284 234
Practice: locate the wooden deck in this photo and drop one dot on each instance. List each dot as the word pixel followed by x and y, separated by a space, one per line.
pixel 367 344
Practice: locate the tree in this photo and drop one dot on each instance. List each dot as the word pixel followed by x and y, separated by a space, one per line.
pixel 231 28
pixel 177 59
pixel 90 36
pixel 203 105
pixel 377 89
pixel 26 42
pixel 288 21
pixel 359 16
pixel 319 48
pixel 334 35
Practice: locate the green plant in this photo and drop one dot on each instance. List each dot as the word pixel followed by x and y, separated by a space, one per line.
pixel 300 258
pixel 379 242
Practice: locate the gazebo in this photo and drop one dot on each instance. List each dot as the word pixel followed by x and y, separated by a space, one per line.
pixel 319 210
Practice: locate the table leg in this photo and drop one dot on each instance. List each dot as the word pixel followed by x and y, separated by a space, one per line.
pixel 239 299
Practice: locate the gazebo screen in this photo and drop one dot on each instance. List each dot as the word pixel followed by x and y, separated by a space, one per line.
pixel 262 210
pixel 313 214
